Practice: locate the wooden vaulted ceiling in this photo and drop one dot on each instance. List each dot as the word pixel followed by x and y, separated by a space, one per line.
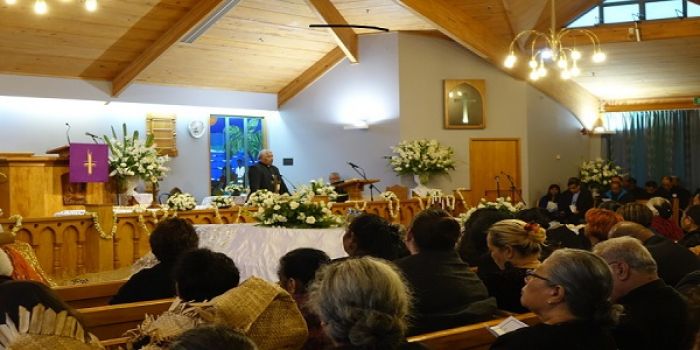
pixel 267 45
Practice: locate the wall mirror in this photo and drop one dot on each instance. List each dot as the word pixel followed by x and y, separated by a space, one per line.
pixel 465 104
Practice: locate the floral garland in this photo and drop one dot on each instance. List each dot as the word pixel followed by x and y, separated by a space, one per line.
pixel 450 202
pixel 222 201
pixel 502 204
pixel 357 205
pixel 217 215
pixel 391 197
pixel 142 224
pixel 98 227
pixel 461 197
pixel 18 224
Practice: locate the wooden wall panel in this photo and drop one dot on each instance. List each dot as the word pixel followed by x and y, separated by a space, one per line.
pixel 489 158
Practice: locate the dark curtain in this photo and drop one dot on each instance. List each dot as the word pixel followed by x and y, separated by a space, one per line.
pixel 652 144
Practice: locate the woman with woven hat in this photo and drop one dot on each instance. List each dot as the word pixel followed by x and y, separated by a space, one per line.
pixel 363 303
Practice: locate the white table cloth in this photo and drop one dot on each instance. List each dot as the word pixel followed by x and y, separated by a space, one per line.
pixel 256 250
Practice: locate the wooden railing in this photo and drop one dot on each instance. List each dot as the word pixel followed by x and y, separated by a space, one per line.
pixel 89 295
pixel 470 337
pixel 74 245
pixel 108 322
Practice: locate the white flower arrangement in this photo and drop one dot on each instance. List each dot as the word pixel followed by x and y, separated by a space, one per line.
pixel 320 188
pixel 181 202
pixel 295 210
pixel 599 172
pixel 222 201
pixel 233 187
pixel 393 200
pixel 502 204
pixel 421 157
pixel 434 192
pixel 132 157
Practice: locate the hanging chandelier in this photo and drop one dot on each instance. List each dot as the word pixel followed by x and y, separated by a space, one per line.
pixel 548 47
pixel 42 8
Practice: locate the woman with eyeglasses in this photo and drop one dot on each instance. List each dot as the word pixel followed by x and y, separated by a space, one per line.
pixel 515 247
pixel 570 293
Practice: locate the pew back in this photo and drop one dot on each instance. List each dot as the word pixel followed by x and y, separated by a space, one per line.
pixel 89 295
pixel 470 337
pixel 108 322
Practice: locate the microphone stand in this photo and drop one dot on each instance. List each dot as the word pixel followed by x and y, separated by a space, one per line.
pixel 498 187
pixel 364 176
pixel 513 189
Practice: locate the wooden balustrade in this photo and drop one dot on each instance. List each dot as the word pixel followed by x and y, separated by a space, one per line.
pixel 72 245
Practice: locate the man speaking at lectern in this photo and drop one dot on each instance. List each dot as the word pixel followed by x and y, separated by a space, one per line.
pixel 265 176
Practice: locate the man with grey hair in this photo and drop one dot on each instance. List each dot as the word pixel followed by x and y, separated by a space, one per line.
pixel 673 260
pixel 656 316
pixel 265 176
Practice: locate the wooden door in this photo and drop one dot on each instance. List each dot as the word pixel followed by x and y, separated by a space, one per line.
pixel 491 159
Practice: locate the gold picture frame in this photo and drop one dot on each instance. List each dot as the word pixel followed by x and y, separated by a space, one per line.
pixel 464 104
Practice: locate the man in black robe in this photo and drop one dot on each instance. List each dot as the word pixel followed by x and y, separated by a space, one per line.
pixel 265 176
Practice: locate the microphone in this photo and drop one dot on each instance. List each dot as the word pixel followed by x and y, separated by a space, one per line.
pixel 68 133
pixel 93 136
pixel 353 165
pixel 290 182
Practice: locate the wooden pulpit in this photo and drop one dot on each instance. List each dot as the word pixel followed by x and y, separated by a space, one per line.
pixel 37 185
pixel 354 187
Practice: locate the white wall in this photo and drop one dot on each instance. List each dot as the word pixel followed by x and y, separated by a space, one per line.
pixel 310 127
pixel 31 124
pixel 424 63
pixel 556 147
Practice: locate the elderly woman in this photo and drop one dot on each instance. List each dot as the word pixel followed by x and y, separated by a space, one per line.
pixel 662 222
pixel 570 293
pixel 363 303
pixel 598 224
pixel 515 247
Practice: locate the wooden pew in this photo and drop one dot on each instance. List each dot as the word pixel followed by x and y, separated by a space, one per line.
pixel 108 322
pixel 470 337
pixel 89 295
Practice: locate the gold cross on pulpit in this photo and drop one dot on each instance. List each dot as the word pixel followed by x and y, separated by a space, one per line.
pixel 89 164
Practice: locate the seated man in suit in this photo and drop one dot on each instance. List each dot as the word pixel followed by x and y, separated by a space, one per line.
pixel 574 202
pixel 655 315
pixel 446 293
pixel 265 176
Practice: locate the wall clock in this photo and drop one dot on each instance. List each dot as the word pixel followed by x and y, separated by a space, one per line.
pixel 196 128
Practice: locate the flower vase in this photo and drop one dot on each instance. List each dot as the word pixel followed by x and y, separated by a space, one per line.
pixel 127 189
pixel 421 180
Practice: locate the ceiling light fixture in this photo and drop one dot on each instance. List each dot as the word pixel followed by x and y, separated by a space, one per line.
pixel 41 7
pixel 552 49
pixel 91 5
pixel 10 2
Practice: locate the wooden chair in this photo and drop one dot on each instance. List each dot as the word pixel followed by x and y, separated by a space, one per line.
pixel 400 191
pixel 115 343
pixel 89 295
pixel 470 337
pixel 108 322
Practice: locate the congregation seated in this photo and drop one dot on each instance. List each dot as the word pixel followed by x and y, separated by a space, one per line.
pixel 169 240
pixel 689 287
pixel 609 205
pixel 574 202
pixel 515 247
pixel 296 272
pixel 656 316
pixel 6 267
pixel 617 193
pixel 672 259
pixel 212 338
pixel 662 221
pixel 598 224
pixel 630 185
pixel 20 261
pixel 25 304
pixel 370 234
pixel 549 201
pixel 201 275
pixel 363 303
pixel 446 294
pixel 557 235
pixel 263 311
pixel 691 226
pixel 472 246
pixel 570 294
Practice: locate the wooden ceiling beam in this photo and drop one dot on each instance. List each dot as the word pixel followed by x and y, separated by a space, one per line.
pixel 650 104
pixel 310 75
pixel 648 30
pixel 459 25
pixel 345 37
pixel 201 10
